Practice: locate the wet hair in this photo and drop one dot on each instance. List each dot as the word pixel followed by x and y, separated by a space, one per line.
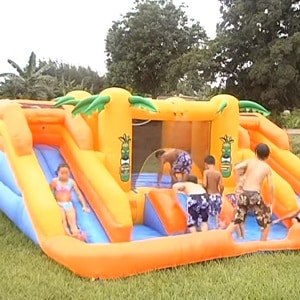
pixel 192 178
pixel 210 160
pixel 159 153
pixel 60 166
pixel 262 151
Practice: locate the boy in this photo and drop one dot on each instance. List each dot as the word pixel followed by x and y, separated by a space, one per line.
pixel 197 204
pixel 256 170
pixel 213 183
pixel 180 163
pixel 294 216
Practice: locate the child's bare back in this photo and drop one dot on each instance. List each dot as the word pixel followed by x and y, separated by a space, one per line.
pixel 213 179
pixel 256 171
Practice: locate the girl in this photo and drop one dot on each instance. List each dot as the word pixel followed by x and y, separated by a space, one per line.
pixel 62 187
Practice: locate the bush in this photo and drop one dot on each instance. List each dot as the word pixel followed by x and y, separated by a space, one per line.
pixel 291 121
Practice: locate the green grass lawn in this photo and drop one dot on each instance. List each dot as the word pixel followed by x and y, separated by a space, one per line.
pixel 26 273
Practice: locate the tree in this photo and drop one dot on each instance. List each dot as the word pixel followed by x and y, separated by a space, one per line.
pixel 69 77
pixel 48 79
pixel 29 82
pixel 258 50
pixel 144 50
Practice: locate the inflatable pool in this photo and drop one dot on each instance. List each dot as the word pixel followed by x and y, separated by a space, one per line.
pixel 133 227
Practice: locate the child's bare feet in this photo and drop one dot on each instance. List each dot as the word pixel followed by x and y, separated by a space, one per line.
pixel 80 235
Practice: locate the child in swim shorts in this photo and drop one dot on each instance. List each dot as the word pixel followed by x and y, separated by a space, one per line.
pixel 197 203
pixel 179 160
pixel 213 183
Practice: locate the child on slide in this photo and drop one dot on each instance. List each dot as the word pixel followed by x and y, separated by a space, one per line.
pixel 62 186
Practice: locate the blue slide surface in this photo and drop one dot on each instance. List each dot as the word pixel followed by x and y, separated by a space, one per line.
pixel 49 158
pixel 11 200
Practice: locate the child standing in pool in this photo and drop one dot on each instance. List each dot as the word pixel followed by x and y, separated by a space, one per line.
pixel 256 171
pixel 213 183
pixel 62 186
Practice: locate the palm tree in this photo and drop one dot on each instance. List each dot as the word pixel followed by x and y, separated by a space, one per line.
pixel 30 82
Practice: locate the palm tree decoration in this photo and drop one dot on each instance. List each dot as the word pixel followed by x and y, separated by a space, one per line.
pixel 251 106
pixel 222 106
pixel 114 125
pixel 30 82
pixel 96 103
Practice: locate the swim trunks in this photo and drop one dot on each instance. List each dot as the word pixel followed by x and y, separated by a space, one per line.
pixel 215 204
pixel 183 163
pixel 197 206
pixel 65 205
pixel 252 200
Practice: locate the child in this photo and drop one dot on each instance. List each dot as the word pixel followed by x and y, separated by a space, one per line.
pixel 256 170
pixel 61 187
pixel 240 179
pixel 295 216
pixel 197 204
pixel 180 163
pixel 213 183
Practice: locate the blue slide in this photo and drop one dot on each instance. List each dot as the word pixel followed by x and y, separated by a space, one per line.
pixel 13 205
pixel 11 200
pixel 49 158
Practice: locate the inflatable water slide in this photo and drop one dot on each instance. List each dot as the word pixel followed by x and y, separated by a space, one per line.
pixel 130 230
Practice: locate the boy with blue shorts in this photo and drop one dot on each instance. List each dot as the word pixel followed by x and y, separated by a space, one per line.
pixel 197 203
pixel 213 183
pixel 180 163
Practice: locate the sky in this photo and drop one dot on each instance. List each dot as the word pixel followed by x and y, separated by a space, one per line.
pixel 74 31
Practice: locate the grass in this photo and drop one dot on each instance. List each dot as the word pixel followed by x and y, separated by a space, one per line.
pixel 26 273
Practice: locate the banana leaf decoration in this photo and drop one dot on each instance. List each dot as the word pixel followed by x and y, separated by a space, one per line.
pixel 142 103
pixel 91 105
pixel 65 100
pixel 251 106
pixel 222 106
pixel 96 103
pixel 82 107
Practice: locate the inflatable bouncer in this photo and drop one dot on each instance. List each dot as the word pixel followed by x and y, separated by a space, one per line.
pixel 133 228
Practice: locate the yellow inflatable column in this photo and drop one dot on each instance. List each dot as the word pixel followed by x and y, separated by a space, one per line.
pixel 224 136
pixel 92 120
pixel 115 135
pixel 200 142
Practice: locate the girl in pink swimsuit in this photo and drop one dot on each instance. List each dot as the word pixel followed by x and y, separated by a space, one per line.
pixel 61 187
